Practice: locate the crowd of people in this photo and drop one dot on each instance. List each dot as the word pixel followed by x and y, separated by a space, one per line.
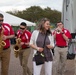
pixel 42 41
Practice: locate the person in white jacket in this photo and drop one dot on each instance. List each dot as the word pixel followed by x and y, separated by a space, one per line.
pixel 37 41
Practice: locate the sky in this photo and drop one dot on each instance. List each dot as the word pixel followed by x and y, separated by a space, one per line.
pixel 12 5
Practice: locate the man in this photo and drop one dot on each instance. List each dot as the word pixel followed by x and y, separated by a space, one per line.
pixel 24 35
pixel 6 33
pixel 62 37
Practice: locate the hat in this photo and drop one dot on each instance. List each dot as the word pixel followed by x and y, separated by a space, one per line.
pixel 23 24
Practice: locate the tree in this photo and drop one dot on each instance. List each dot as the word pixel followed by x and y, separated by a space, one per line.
pixel 34 13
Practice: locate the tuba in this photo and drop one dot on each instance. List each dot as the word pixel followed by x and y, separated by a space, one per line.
pixel 17 47
pixel 2 43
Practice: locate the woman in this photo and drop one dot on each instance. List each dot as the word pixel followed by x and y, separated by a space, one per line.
pixel 36 42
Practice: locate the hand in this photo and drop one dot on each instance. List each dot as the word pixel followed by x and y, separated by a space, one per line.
pixel 22 43
pixel 58 29
pixel 27 43
pixel 49 46
pixel 40 49
pixel 4 37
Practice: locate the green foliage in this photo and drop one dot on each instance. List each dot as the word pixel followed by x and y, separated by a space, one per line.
pixel 34 13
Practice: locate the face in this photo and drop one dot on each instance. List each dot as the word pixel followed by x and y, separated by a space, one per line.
pixel 1 20
pixel 47 25
pixel 22 28
pixel 60 25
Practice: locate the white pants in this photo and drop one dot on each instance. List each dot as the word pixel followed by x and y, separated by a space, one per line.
pixel 37 68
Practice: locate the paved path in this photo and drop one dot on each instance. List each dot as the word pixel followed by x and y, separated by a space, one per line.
pixel 16 69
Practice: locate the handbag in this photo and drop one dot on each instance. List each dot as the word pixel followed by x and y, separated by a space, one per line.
pixel 39 56
pixel 70 56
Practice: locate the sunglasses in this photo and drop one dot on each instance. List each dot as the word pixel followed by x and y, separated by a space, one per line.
pixel 1 20
pixel 22 28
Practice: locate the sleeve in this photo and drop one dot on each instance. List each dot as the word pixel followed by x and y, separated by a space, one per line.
pixel 11 31
pixel 18 34
pixel 68 34
pixel 53 32
pixel 32 40
pixel 29 35
pixel 52 40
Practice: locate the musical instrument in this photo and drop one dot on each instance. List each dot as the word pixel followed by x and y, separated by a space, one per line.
pixel 17 47
pixel 2 43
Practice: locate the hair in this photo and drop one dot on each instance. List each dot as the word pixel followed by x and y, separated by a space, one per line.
pixel 41 25
pixel 60 22
pixel 1 15
pixel 23 24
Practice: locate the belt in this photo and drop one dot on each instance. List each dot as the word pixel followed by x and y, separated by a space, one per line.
pixel 6 48
pixel 62 46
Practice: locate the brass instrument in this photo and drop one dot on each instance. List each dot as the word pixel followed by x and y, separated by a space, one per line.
pixel 17 47
pixel 2 43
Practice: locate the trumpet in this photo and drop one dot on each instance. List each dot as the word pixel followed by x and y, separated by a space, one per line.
pixel 17 47
pixel 2 43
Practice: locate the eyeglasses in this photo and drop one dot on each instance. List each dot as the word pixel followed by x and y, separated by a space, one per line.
pixel 22 28
pixel 1 20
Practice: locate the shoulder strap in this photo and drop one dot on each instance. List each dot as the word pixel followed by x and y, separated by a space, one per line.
pixel 44 40
pixel 43 45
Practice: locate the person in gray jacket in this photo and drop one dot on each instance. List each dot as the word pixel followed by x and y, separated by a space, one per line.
pixel 37 41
